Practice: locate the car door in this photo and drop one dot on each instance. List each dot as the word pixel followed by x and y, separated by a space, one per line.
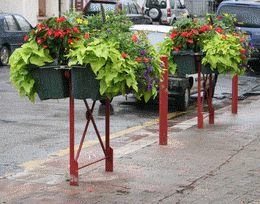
pixel 23 28
pixel 10 31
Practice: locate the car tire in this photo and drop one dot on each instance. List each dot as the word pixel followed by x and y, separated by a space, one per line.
pixel 155 13
pixel 4 55
pixel 183 100
pixel 103 101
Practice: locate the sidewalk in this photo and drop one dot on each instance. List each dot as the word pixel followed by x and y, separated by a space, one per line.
pixel 216 164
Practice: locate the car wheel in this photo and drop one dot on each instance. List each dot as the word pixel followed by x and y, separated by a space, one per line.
pixel 184 100
pixel 4 55
pixel 155 13
pixel 103 101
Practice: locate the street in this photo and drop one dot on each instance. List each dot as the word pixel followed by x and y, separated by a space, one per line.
pixel 35 131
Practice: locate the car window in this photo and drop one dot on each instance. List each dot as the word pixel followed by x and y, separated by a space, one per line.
pixel 156 3
pixel 5 25
pixel 246 17
pixel 97 7
pixel 132 8
pixel 139 10
pixel 125 7
pixel 24 25
pixel 11 24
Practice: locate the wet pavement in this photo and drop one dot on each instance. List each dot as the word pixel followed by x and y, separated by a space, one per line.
pixel 216 164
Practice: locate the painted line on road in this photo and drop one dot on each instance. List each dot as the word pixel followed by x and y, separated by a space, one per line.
pixel 63 152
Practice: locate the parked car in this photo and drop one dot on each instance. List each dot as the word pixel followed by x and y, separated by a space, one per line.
pixel 132 9
pixel 13 29
pixel 247 19
pixel 179 87
pixel 165 11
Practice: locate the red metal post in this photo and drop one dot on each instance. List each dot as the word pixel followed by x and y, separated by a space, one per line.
pixel 163 103
pixel 109 150
pixel 200 116
pixel 73 163
pixel 234 94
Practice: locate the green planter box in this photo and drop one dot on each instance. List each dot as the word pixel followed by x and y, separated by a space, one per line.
pixel 50 82
pixel 186 63
pixel 84 83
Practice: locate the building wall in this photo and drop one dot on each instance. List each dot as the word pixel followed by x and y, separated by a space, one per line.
pixel 26 8
pixel 30 8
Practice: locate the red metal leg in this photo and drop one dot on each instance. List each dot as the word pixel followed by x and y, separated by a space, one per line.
pixel 163 107
pixel 200 116
pixel 109 150
pixel 73 163
pixel 234 94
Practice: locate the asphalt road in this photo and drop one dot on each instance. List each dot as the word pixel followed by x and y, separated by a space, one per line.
pixel 33 131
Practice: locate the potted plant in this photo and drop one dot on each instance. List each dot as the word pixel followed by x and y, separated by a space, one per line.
pixel 36 66
pixel 190 38
pixel 101 46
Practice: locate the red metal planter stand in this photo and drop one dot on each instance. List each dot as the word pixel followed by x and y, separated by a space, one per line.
pixel 108 151
pixel 206 78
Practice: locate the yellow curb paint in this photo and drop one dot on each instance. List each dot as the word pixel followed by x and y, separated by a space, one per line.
pixel 31 164
pixel 63 152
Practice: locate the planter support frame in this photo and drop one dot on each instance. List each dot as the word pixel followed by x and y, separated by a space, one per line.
pixel 108 151
pixel 206 94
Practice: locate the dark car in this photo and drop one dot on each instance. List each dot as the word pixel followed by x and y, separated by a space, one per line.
pixel 13 29
pixel 247 20
pixel 132 9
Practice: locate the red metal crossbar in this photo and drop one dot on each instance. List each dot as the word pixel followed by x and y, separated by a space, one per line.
pixel 206 94
pixel 108 151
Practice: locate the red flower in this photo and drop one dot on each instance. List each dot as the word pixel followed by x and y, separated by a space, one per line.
pixel 242 51
pixel 44 46
pixel 86 36
pixel 77 38
pixel 203 28
pixel 235 34
pixel 124 55
pixel 138 59
pixel 40 26
pixel 75 30
pixel 172 36
pixel 56 33
pixel 194 31
pixel 70 41
pixel 45 37
pixel 180 45
pixel 219 17
pixel 176 49
pixel 25 38
pixel 184 34
pixel 39 41
pixel 68 30
pixel 49 33
pixel 243 57
pixel 190 41
pixel 242 40
pixel 134 37
pixel 224 37
pixel 219 30
pixel 146 60
pixel 60 19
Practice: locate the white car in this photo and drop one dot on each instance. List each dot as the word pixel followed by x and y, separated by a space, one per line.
pixel 178 87
pixel 165 11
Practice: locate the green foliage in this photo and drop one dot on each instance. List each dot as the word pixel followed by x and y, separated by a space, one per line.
pixel 29 53
pixel 225 48
pixel 123 61
pixel 224 54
